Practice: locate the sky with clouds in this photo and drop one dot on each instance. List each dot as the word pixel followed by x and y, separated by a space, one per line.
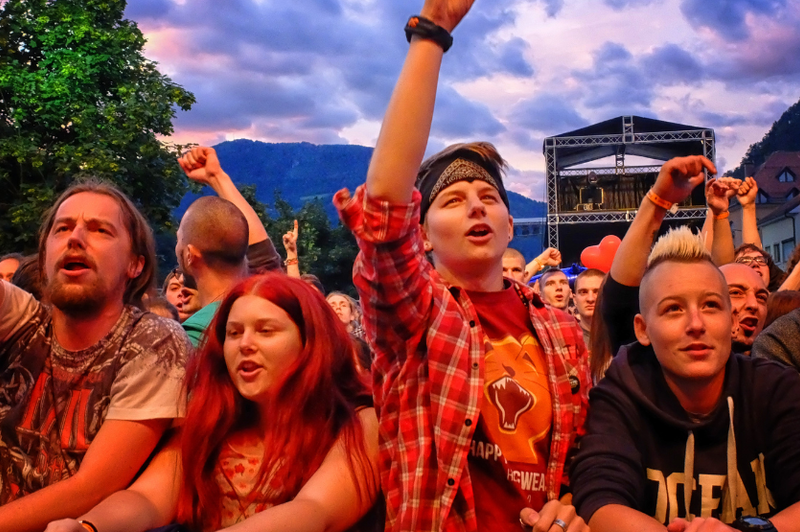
pixel 322 71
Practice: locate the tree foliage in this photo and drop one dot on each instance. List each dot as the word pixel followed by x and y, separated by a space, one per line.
pixel 784 135
pixel 78 98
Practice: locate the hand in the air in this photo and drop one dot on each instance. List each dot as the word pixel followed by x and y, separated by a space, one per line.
pixel 202 165
pixel 719 191
pixel 290 240
pixel 679 176
pixel 446 13
pixel 748 190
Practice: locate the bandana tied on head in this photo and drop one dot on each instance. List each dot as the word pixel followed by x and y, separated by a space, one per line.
pixel 462 165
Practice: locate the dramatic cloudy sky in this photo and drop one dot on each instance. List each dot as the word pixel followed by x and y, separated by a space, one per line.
pixel 520 70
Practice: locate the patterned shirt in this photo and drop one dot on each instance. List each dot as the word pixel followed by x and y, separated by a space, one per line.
pixel 429 369
pixel 53 401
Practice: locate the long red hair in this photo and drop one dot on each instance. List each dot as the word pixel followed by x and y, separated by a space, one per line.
pixel 310 406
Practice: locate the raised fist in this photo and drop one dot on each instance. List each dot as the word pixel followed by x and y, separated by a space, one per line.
pixel 202 165
pixel 446 13
pixel 549 257
pixel 748 190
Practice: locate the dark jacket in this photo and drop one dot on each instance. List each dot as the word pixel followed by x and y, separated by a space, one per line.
pixel 781 340
pixel 640 443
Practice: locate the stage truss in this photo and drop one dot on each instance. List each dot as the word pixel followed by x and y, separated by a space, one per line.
pixel 585 148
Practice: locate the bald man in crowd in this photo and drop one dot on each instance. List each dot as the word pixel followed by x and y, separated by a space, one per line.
pixel 749 295
pixel 514 265
pixel 221 240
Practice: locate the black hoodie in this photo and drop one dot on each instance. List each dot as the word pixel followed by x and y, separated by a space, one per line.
pixel 640 443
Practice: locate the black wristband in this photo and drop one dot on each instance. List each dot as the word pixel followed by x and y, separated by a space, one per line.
pixel 427 29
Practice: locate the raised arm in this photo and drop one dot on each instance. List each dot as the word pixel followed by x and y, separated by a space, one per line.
pixel 290 244
pixel 407 124
pixel 113 459
pixel 718 195
pixel 676 180
pixel 548 257
pixel 748 190
pixel 202 165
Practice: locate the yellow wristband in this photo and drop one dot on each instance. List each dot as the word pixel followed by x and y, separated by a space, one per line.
pixel 722 215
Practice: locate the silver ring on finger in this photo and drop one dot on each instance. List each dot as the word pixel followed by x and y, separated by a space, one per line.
pixel 560 523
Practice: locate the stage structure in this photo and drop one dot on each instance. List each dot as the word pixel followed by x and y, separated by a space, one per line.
pixel 612 194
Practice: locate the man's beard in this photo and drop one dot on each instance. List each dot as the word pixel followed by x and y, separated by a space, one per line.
pixel 76 299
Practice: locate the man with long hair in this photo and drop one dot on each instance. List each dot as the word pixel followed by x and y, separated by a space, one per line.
pixel 481 388
pixel 89 384
pixel 279 431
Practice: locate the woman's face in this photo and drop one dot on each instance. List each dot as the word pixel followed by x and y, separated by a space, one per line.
pixel 261 342
pixel 341 306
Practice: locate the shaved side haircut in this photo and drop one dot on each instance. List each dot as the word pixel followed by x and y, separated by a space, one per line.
pixel 218 229
pixel 514 254
pixel 549 273
pixel 586 274
pixel 679 244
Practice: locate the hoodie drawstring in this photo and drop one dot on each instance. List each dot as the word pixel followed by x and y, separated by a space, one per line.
pixel 733 470
pixel 688 474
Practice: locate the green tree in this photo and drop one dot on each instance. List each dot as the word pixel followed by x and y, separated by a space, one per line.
pixel 78 98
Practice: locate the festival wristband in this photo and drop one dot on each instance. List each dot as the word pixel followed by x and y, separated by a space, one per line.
pixel 427 29
pixel 289 262
pixel 661 202
pixel 88 526
pixel 722 215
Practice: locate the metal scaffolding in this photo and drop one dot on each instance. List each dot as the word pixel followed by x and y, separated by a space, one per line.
pixel 625 135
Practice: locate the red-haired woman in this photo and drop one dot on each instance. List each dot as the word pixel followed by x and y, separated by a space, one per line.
pixel 279 431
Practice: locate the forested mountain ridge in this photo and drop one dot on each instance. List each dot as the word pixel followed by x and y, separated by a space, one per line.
pixel 784 135
pixel 302 172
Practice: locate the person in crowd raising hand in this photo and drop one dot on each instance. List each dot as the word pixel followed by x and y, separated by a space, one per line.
pixel 290 244
pixel 482 387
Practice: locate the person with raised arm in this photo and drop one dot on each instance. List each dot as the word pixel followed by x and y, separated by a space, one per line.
pixel 481 388
pixel 221 239
pixel 620 301
pixel 684 435
pixel 290 244
pixel 719 191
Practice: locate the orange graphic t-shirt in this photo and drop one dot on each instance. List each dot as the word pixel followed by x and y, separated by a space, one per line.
pixel 511 445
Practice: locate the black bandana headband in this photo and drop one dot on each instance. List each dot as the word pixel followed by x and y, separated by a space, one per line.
pixel 452 170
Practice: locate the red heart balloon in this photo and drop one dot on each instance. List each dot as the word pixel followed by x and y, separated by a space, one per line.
pixel 602 255
pixel 590 257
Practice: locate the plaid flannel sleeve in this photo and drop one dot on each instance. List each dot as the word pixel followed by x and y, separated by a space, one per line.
pixel 391 272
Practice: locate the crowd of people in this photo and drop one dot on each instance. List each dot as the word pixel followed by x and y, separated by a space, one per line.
pixel 451 394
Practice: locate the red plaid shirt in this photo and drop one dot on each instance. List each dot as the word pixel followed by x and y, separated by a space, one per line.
pixel 428 369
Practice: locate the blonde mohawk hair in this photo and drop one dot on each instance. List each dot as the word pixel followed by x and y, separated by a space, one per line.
pixel 679 244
